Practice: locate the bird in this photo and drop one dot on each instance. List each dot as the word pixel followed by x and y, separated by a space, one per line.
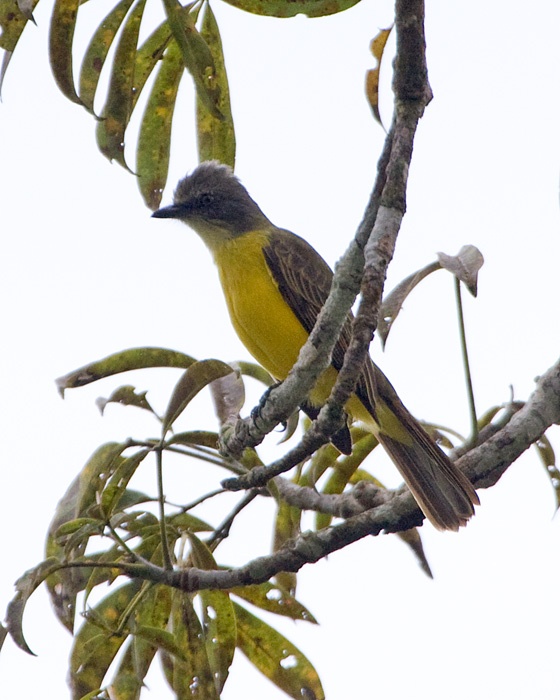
pixel 275 284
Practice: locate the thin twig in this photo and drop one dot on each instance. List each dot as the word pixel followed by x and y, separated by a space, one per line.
pixel 466 365
pixel 222 531
pixel 161 500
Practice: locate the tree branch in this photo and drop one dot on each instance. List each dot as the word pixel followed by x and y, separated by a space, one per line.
pixel 376 236
pixel 389 512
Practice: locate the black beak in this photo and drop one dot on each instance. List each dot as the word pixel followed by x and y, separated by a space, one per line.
pixel 171 212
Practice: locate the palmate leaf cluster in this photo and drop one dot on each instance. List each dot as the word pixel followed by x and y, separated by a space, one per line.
pixel 188 39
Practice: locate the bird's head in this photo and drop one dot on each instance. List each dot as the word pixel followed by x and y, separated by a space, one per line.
pixel 213 202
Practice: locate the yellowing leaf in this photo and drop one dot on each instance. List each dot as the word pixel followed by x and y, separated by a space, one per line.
pixel 275 599
pixel 216 136
pixel 342 472
pixel 61 37
pixel 196 54
pixel 191 677
pixel 118 106
pixel 96 53
pixel 376 47
pixel 277 658
pixel 12 23
pixel 95 646
pixel 154 141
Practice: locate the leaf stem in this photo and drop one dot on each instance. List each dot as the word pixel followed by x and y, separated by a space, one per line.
pixel 161 500
pixel 466 366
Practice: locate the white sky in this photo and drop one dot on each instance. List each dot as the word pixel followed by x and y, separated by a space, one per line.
pixel 86 272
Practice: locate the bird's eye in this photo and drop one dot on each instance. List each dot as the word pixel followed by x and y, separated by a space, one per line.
pixel 205 199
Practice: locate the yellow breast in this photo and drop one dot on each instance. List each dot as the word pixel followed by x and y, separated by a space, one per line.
pixel 262 319
pixel 264 322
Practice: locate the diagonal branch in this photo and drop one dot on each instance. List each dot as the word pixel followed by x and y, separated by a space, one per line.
pixel 373 245
pixel 397 512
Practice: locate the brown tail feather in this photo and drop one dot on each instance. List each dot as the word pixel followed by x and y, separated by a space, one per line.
pixel 442 491
pixel 444 494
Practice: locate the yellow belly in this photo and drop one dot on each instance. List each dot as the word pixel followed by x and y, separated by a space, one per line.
pixel 263 321
pixel 266 325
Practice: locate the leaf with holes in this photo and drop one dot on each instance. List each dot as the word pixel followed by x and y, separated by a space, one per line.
pixel 277 658
pixel 118 105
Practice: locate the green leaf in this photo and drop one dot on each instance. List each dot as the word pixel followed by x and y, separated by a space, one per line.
pixel 202 438
pixel 150 619
pixel 118 107
pixel 64 585
pixel 154 141
pixel 287 525
pixel 162 639
pixel 25 586
pixel 220 633
pixel 185 522
pixel 251 369
pixel 414 540
pixel 193 673
pixel 73 526
pixel 487 417
pixel 288 8
pixel 96 53
pixel 195 378
pixel 124 361
pixel 216 136
pixel 96 645
pixel 103 463
pixel 125 684
pixel 61 38
pixel 101 575
pixel 115 488
pixel 148 55
pixel 322 459
pixel 342 472
pixel 197 57
pixel 126 396
pixel 275 599
pixel 12 23
pixel 277 658
pixel 133 498
pixel 218 617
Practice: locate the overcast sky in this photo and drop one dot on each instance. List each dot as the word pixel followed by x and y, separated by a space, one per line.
pixel 86 272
